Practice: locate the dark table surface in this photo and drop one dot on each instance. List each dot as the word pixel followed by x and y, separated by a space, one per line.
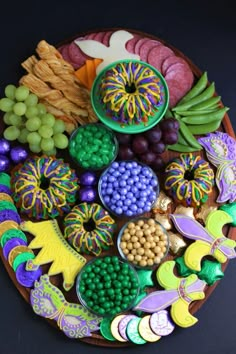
pixel 206 32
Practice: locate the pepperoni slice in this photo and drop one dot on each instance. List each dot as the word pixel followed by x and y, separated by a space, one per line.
pixel 146 47
pixel 158 54
pixel 99 37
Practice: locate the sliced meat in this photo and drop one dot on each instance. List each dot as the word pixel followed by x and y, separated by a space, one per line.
pixel 158 54
pixel 99 37
pixel 146 47
pixel 179 82
pixel 139 43
pixel 168 62
pixel 130 45
pixel 106 38
pixel 89 36
pixel 65 54
pixel 76 54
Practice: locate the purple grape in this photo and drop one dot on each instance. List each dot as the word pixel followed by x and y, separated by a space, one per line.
pixel 154 135
pixel 148 157
pixel 168 124
pixel 123 138
pixel 158 163
pixel 139 145
pixel 125 153
pixel 158 148
pixel 170 138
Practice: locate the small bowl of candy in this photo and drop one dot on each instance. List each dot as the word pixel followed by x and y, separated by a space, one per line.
pixel 107 286
pixel 93 146
pixel 128 188
pixel 143 242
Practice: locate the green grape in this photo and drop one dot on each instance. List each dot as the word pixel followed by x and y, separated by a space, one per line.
pixel 47 144
pixel 59 126
pixel 22 92
pixel 35 148
pixel 50 152
pixel 41 108
pixel 45 131
pixel 11 133
pixel 33 124
pixel 31 100
pixel 34 138
pixel 31 112
pixel 10 91
pixel 6 104
pixel 22 138
pixel 19 108
pixel 48 119
pixel 6 118
pixel 15 120
pixel 61 141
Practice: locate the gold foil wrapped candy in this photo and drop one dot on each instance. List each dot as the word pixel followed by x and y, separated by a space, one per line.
pixel 204 212
pixel 177 243
pixel 162 203
pixel 163 219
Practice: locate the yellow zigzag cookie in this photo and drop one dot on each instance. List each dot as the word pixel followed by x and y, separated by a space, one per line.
pixel 55 250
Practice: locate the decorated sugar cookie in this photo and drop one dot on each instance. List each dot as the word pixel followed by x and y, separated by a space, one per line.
pixel 178 293
pixel 221 152
pixel 54 249
pixel 73 319
pixel 209 240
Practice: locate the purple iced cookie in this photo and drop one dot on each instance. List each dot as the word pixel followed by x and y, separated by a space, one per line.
pixel 12 243
pixel 123 324
pixel 5 189
pixel 9 215
pixel 27 277
pixel 161 323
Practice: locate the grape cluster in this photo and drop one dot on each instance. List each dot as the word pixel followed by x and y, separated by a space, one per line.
pixel 148 147
pixel 29 122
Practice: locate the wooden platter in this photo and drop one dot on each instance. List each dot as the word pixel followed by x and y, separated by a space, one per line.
pixel 96 338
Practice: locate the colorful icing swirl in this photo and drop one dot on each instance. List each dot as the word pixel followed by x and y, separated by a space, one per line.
pixel 189 179
pixel 85 241
pixel 44 187
pixel 131 92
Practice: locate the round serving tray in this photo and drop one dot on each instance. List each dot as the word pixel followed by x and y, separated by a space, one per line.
pixel 96 338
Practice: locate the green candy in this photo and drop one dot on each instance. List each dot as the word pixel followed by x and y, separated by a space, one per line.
pixel 5 179
pixel 12 233
pixel 230 209
pixel 22 258
pixel 210 271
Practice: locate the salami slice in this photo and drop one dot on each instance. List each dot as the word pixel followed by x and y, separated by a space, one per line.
pixel 106 38
pixel 168 62
pixel 76 55
pixel 132 42
pixel 179 82
pixel 89 36
pixel 146 47
pixel 138 44
pixel 64 52
pixel 158 54
pixel 99 37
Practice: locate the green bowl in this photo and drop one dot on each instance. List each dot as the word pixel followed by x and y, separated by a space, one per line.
pixel 100 108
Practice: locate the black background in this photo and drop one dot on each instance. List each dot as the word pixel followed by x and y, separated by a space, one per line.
pixel 206 32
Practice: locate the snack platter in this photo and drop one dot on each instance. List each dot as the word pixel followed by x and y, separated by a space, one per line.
pixel 134 113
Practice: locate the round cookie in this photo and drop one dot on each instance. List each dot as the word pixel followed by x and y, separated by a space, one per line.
pixel 9 214
pixel 133 333
pixel 11 234
pixel 161 323
pixel 115 328
pixel 27 277
pixel 145 331
pixel 12 243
